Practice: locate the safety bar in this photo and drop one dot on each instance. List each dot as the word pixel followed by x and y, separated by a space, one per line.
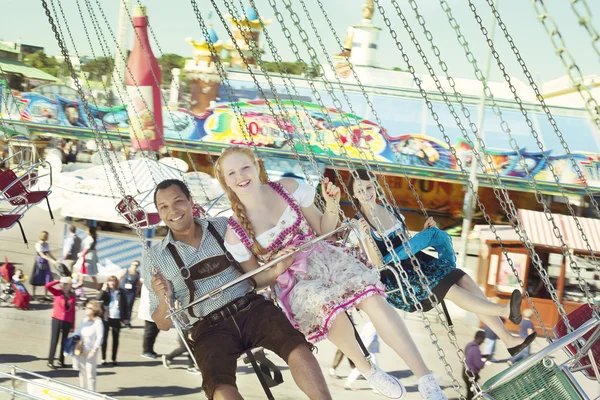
pixel 255 272
pixel 551 348
pixel 71 390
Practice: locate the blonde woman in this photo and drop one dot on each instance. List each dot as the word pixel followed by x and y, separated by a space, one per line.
pixel 314 286
pixel 91 334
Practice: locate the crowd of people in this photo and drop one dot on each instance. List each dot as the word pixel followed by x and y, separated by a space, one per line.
pixel 315 289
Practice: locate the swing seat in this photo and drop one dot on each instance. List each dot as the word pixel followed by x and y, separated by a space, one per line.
pixel 538 377
pixel 198 211
pixel 543 381
pixel 576 319
pixel 136 215
pixel 14 190
pixel 7 221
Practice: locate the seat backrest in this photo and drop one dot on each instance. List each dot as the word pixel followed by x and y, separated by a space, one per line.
pixel 131 211
pixel 197 211
pixel 7 177
pixel 576 319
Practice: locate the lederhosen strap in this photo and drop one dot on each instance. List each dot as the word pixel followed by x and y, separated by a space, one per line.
pixel 219 239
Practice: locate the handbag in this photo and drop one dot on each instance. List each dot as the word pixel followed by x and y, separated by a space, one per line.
pixel 71 344
pixel 78 347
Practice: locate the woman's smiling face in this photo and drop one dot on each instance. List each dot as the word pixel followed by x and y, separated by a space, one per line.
pixel 240 173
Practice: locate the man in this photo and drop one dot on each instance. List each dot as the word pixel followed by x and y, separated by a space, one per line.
pixel 473 361
pixel 150 329
pixel 71 248
pixel 130 282
pixel 526 328
pixel 190 262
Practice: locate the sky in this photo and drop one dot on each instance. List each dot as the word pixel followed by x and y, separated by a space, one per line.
pixel 174 20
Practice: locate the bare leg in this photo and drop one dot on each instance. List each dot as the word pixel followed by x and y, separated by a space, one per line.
pixel 394 333
pixel 307 374
pixel 494 323
pixel 473 302
pixel 227 392
pixel 342 335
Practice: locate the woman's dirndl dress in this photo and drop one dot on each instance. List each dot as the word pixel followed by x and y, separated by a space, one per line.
pixel 41 267
pixel 323 281
pixel 441 272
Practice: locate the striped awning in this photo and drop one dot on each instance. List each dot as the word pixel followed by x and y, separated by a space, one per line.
pixel 540 230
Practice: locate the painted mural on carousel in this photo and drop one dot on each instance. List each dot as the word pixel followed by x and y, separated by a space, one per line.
pixel 323 132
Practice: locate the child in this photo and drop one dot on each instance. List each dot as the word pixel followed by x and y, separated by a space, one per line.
pixel 473 361
pixel 22 296
pixel 77 285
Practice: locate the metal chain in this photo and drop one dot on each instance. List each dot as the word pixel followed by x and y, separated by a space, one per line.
pixel 538 95
pixel 104 153
pixel 444 67
pixel 447 139
pixel 547 213
pixel 87 82
pixel 371 107
pixel 561 50
pixel 485 165
pixel 406 244
pixel 353 112
pixel 97 136
pixel 221 71
pixel 156 81
pixel 287 122
pixel 585 19
pixel 512 214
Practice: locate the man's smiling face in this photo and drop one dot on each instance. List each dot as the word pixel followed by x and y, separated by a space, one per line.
pixel 174 208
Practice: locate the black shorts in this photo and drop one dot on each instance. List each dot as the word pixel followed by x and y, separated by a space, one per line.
pixel 218 347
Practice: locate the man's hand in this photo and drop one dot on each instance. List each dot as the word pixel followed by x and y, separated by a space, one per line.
pixel 104 286
pixel 160 285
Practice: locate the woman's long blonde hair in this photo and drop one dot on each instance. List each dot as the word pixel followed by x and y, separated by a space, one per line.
pixel 236 204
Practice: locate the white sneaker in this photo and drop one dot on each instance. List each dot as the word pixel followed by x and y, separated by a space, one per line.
pixel 430 389
pixel 166 363
pixel 384 383
pixel 333 374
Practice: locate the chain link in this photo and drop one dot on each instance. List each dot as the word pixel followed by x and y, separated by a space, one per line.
pixel 370 104
pixel 364 161
pixel 483 166
pixel 548 214
pixel 287 120
pixel 561 50
pixel 585 19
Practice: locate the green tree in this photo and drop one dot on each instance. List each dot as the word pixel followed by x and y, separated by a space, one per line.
pixel 98 67
pixel 41 61
pixel 293 68
pixel 167 62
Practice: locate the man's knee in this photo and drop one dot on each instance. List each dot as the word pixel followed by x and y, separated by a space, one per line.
pixel 226 392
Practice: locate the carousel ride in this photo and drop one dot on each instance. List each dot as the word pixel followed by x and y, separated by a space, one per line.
pixel 538 376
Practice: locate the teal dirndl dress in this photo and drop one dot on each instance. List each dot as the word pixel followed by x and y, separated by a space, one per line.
pixel 441 272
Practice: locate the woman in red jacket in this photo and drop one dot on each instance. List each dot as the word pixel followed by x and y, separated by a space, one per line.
pixel 63 316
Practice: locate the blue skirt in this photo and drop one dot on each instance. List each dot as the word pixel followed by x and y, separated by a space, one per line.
pixel 441 272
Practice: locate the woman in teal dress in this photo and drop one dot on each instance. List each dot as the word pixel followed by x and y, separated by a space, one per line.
pixel 445 280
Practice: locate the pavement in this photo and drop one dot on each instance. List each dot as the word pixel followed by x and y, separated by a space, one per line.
pixel 25 341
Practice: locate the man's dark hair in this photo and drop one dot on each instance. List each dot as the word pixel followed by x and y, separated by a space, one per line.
pixel 480 334
pixel 72 229
pixel 170 182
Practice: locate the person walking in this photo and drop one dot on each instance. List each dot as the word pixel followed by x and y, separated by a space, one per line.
pixel 114 305
pixel 130 283
pixel 91 334
pixel 88 256
pixel 150 328
pixel 474 361
pixel 63 317
pixel 71 248
pixel 42 273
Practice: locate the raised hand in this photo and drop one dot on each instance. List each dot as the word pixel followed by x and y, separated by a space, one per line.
pixel 429 223
pixel 330 193
pixel 160 285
